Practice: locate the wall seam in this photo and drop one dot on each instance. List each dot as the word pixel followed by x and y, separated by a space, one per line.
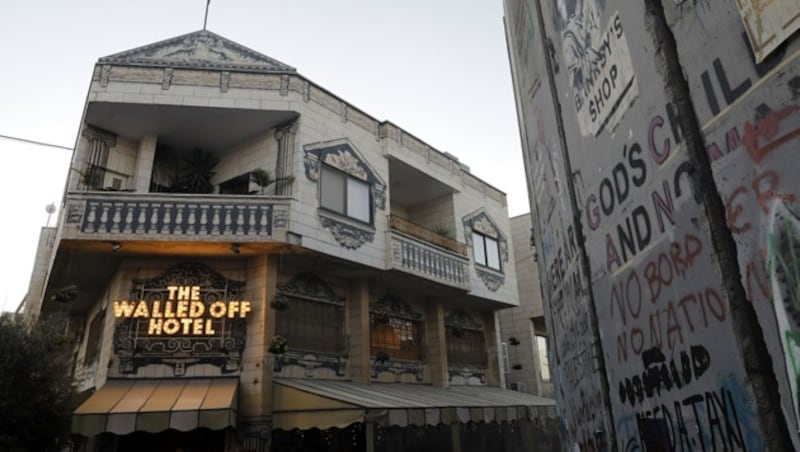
pixel 610 434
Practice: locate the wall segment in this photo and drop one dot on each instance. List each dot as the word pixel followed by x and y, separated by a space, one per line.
pixel 675 142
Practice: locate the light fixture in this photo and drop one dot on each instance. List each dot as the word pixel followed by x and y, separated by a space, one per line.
pixel 115 247
pixel 235 248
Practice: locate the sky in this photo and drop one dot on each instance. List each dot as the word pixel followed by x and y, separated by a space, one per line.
pixel 437 68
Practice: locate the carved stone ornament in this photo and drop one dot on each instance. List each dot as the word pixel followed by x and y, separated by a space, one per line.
pixel 311 361
pixel 394 306
pixel 348 235
pixel 398 368
pixel 311 163
pixel 460 319
pixel 491 280
pixel 224 81
pixel 136 348
pixel 467 373
pixel 347 162
pixel 198 50
pixel 310 286
pixel 485 227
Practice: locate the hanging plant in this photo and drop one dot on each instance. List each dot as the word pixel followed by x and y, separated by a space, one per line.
pixel 278 346
pixel 280 302
pixel 513 340
pixel 65 294
pixel 381 357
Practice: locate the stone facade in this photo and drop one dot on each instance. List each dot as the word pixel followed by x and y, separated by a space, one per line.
pixel 223 203
pixel 658 141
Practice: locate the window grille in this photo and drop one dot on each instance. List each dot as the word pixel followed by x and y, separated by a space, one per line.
pixel 311 325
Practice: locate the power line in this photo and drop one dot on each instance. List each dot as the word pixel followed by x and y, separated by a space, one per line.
pixel 40 143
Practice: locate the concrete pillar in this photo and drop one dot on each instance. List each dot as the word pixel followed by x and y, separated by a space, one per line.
pixel 255 384
pixel 492 349
pixel 436 344
pixel 357 311
pixel 144 163
pixel 285 165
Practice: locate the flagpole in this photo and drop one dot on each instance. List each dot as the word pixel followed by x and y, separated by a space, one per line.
pixel 205 20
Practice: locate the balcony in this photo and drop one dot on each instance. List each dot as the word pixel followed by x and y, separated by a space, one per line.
pixel 154 216
pixel 427 254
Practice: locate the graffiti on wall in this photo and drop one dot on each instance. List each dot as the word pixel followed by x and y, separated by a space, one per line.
pixel 579 396
pixel 662 311
pixel 752 153
pixel 598 63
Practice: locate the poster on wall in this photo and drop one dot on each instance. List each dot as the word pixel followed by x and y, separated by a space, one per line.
pixel 768 23
pixel 598 64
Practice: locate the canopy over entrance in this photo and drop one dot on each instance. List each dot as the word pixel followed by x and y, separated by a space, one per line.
pixel 126 406
pixel 309 403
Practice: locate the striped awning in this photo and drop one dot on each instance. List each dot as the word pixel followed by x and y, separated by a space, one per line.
pixel 126 406
pixel 309 403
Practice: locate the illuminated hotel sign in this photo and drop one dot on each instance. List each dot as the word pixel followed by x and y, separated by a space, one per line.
pixel 182 313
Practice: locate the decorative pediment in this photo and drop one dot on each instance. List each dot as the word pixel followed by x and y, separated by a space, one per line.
pixel 198 50
pixel 480 221
pixel 341 155
pixel 462 320
pixel 394 306
pixel 310 286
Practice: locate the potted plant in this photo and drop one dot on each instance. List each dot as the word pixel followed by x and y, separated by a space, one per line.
pixel 278 345
pixel 443 230
pixel 196 171
pixel 263 179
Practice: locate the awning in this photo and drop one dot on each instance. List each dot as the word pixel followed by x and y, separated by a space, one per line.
pixel 309 403
pixel 125 406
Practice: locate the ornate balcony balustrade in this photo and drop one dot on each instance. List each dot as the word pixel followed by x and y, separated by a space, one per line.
pixel 416 256
pixel 156 215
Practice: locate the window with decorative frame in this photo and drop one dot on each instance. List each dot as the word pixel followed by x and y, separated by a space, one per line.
pixel 344 194
pixel 486 251
pixel 312 325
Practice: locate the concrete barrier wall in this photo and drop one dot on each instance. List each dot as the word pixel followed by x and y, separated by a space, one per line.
pixel 671 249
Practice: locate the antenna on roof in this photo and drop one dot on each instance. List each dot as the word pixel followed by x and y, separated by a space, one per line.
pixel 205 20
